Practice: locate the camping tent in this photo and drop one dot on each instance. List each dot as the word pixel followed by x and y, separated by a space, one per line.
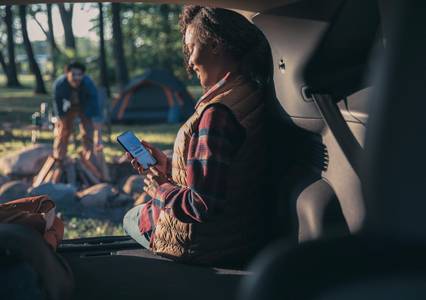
pixel 156 96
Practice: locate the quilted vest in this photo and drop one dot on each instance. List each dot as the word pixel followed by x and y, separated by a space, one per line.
pixel 234 233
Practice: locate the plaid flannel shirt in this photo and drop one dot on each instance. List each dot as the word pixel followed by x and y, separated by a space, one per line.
pixel 211 150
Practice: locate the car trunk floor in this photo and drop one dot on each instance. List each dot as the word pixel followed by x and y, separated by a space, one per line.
pixel 135 273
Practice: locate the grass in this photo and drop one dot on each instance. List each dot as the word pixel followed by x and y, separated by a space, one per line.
pixel 16 108
pixel 26 80
pixel 76 227
pixel 160 135
pixel 17 105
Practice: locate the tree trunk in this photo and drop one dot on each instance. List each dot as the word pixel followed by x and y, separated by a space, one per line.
pixel 39 88
pixel 166 28
pixel 3 63
pixel 12 75
pixel 129 36
pixel 122 73
pixel 51 38
pixel 104 69
pixel 102 52
pixel 66 17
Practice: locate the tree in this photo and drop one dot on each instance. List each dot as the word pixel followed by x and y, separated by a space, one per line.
pixel 166 29
pixel 2 59
pixel 3 63
pixel 102 53
pixel 152 37
pixel 39 88
pixel 118 50
pixel 12 75
pixel 49 32
pixel 54 50
pixel 66 17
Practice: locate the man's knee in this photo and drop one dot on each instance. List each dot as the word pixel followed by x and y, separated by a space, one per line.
pixel 131 219
pixel 127 221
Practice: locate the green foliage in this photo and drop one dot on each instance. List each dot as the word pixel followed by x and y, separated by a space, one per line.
pixel 70 53
pixel 151 40
pixel 152 37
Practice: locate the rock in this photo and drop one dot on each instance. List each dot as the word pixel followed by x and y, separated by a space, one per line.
pixel 120 171
pixel 13 190
pixel 120 200
pixel 4 179
pixel 64 195
pixel 98 195
pixel 134 185
pixel 27 161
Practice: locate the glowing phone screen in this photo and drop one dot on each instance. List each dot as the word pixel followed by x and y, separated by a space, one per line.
pixel 132 145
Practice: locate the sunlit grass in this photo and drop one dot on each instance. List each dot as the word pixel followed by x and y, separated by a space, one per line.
pixel 79 227
pixel 161 136
pixel 27 80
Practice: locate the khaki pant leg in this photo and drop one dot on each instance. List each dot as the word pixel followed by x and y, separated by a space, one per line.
pixel 63 129
pixel 86 129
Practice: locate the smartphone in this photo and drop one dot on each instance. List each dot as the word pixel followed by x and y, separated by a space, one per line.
pixel 131 144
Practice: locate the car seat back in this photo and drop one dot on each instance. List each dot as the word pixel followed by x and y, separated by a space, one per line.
pixel 320 188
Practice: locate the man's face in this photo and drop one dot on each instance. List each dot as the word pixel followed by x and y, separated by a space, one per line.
pixel 74 77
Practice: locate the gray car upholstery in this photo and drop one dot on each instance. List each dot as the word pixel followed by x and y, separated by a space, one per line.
pixel 321 181
pixel 386 259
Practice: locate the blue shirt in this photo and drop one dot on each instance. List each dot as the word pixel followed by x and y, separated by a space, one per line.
pixel 87 94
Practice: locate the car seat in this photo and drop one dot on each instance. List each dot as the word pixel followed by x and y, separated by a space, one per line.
pixel 320 188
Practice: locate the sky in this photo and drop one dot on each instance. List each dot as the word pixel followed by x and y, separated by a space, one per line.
pixel 83 13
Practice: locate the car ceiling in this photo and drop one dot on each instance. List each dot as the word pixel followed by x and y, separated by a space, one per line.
pixel 252 6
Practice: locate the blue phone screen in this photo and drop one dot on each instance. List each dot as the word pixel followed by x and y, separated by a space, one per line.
pixel 131 143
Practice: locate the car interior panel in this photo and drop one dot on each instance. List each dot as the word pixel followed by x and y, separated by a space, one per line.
pixel 284 28
pixel 385 260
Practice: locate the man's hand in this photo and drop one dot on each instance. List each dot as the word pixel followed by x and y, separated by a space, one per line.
pixel 162 162
pixel 153 180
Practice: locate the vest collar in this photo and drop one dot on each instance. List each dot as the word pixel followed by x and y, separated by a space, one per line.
pixel 213 91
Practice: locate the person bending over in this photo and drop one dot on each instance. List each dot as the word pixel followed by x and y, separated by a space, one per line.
pixel 74 95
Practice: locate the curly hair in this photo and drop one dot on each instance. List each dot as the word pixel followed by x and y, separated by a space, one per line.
pixel 75 65
pixel 234 34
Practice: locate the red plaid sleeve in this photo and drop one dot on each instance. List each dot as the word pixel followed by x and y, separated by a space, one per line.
pixel 211 150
